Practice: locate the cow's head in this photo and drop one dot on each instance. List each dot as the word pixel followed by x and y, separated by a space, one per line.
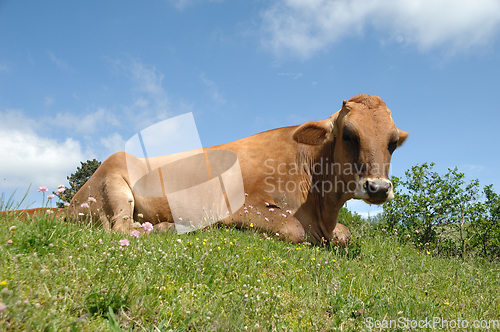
pixel 364 137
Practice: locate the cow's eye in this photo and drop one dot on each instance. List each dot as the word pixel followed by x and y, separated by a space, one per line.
pixel 392 146
pixel 347 138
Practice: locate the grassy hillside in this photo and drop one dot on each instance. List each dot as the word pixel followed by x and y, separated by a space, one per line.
pixel 62 277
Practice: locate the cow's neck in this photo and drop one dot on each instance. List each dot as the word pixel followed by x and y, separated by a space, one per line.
pixel 329 212
pixel 326 204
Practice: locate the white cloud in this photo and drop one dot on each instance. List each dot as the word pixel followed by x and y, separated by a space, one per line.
pixel 15 118
pixel 305 27
pixel 49 100
pixel 60 63
pixel 146 79
pixel 31 158
pixel 152 103
pixel 213 90
pixel 182 4
pixel 113 143
pixel 472 167
pixel 87 123
pixel 293 75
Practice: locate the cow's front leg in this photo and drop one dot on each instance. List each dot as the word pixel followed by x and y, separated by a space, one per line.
pixel 341 235
pixel 121 203
pixel 292 231
pixel 168 227
pixel 122 223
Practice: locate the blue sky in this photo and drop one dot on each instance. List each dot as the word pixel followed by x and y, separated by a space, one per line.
pixel 78 79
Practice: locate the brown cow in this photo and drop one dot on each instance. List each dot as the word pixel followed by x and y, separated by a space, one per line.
pixel 296 179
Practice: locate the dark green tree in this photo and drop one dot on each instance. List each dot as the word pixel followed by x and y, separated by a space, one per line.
pixel 422 206
pixel 486 226
pixel 395 210
pixel 434 210
pixel 77 180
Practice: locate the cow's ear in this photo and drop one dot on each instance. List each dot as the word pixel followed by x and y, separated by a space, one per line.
pixel 402 136
pixel 313 132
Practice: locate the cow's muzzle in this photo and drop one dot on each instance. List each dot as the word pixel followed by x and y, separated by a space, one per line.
pixel 374 190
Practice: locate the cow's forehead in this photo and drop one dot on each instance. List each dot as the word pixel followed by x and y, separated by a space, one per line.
pixel 361 116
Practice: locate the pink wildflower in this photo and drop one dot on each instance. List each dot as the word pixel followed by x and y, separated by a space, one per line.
pixel 135 233
pixel 289 211
pixel 271 209
pixel 267 204
pixel 50 196
pixel 250 206
pixel 84 205
pixel 124 242
pixel 67 204
pixel 266 219
pixel 283 215
pixel 2 306
pixel 61 186
pixel 91 199
pixel 147 226
pixel 42 189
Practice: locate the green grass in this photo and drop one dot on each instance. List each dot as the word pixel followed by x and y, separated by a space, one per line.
pixel 62 277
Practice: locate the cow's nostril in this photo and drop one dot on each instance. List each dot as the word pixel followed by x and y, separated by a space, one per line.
pixel 371 187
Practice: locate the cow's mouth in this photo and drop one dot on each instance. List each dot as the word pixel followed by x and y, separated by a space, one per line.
pixel 375 201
